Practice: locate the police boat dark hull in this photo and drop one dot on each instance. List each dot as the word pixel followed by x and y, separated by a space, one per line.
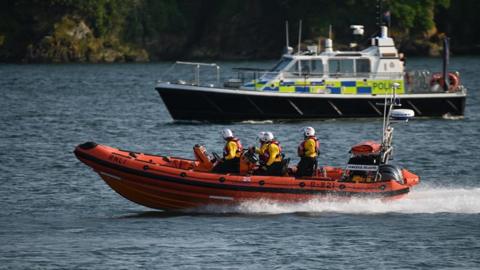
pixel 187 102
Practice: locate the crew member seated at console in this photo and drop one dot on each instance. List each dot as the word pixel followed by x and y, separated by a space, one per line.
pixel 308 151
pixel 231 154
pixel 272 155
pixel 260 150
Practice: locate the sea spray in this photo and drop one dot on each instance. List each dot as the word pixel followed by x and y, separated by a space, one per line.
pixel 427 200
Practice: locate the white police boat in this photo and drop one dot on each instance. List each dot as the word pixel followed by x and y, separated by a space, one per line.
pixel 312 84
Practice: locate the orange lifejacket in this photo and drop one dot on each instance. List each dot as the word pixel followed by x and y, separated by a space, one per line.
pixel 301 147
pixel 239 147
pixel 266 154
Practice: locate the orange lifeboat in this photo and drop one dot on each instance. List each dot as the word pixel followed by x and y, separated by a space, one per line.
pixel 169 183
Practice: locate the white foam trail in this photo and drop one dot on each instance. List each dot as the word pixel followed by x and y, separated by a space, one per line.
pixel 420 201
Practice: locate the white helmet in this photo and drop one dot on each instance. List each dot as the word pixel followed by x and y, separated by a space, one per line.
pixel 308 131
pixel 267 136
pixel 261 136
pixel 227 133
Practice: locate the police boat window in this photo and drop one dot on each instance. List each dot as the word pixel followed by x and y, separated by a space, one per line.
pixel 300 68
pixel 317 67
pixel 362 66
pixel 305 66
pixel 294 69
pixel 340 66
pixel 282 64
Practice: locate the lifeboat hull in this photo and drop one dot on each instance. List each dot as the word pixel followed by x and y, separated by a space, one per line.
pixel 168 183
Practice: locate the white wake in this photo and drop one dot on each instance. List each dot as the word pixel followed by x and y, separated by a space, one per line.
pixel 418 201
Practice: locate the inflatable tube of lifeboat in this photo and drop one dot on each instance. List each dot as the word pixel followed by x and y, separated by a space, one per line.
pixel 171 183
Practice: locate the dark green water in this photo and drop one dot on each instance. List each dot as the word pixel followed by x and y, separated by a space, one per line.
pixel 57 213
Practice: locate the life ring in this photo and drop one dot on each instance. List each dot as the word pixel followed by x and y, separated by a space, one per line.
pixel 437 78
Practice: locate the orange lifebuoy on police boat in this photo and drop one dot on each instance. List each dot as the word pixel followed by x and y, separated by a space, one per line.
pixel 437 78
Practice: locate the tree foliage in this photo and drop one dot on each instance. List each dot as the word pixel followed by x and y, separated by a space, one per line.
pixel 247 27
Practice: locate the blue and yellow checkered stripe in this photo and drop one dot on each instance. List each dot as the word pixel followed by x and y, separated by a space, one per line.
pixel 332 87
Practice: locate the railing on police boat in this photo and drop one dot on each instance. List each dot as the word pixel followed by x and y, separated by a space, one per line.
pixel 173 77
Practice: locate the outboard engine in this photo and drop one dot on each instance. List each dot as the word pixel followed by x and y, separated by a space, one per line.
pixel 391 172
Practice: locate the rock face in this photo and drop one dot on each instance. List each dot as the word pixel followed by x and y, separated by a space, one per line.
pixel 73 41
pixel 142 30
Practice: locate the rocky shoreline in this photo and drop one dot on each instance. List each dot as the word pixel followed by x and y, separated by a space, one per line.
pixel 73 41
pixel 51 31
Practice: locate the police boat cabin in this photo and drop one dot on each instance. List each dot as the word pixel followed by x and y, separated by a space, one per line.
pixel 312 84
pixel 371 71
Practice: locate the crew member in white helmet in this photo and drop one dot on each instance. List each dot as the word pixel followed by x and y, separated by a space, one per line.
pixel 272 156
pixel 260 150
pixel 308 151
pixel 231 154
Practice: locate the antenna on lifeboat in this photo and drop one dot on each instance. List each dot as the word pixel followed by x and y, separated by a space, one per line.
pixel 391 115
pixel 299 35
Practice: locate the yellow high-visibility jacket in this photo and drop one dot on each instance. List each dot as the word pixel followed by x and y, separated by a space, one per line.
pixel 232 150
pixel 273 153
pixel 309 148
